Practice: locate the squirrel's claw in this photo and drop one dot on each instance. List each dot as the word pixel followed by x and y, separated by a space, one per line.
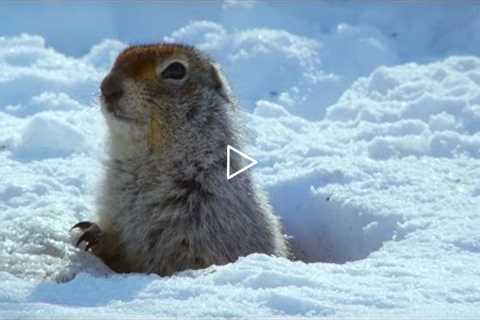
pixel 91 234
pixel 82 225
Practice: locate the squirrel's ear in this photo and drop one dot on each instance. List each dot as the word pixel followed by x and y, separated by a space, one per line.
pixel 219 82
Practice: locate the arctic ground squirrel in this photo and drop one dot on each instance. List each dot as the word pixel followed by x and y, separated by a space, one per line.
pixel 165 203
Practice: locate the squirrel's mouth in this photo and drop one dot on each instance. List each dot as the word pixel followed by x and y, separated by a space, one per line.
pixel 114 112
pixel 121 117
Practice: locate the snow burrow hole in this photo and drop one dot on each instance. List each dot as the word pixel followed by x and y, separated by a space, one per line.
pixel 324 227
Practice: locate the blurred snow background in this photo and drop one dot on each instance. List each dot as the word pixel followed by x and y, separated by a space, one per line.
pixel 365 119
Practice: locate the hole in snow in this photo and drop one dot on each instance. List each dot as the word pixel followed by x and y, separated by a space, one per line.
pixel 326 229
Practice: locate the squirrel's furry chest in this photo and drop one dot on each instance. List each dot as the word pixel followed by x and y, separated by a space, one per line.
pixel 164 217
pixel 165 223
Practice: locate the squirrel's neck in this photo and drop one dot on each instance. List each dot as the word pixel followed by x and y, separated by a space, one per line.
pixel 190 153
pixel 189 161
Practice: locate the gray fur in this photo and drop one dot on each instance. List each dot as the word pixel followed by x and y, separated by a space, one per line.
pixel 169 207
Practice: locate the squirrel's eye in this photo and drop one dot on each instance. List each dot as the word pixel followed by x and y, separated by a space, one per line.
pixel 175 70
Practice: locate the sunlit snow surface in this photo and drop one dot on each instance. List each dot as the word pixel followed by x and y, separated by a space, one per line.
pixel 371 160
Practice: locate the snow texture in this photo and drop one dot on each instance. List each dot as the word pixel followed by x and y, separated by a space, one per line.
pixel 365 121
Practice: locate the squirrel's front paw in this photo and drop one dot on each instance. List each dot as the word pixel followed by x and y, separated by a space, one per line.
pixel 92 234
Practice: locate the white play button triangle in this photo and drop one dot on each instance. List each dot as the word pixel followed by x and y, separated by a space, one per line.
pixel 252 162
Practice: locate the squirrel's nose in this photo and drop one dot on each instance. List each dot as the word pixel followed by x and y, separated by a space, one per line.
pixel 111 88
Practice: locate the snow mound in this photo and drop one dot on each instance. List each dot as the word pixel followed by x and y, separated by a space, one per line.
pixel 103 54
pixel 47 136
pixel 416 110
pixel 28 68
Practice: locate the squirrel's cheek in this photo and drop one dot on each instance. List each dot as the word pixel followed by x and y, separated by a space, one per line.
pixel 157 133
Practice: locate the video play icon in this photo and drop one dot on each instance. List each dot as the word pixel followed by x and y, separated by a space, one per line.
pixel 251 163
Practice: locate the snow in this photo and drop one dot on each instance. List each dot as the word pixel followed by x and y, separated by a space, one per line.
pixel 365 120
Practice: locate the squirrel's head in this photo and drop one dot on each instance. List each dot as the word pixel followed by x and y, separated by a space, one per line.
pixel 162 94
